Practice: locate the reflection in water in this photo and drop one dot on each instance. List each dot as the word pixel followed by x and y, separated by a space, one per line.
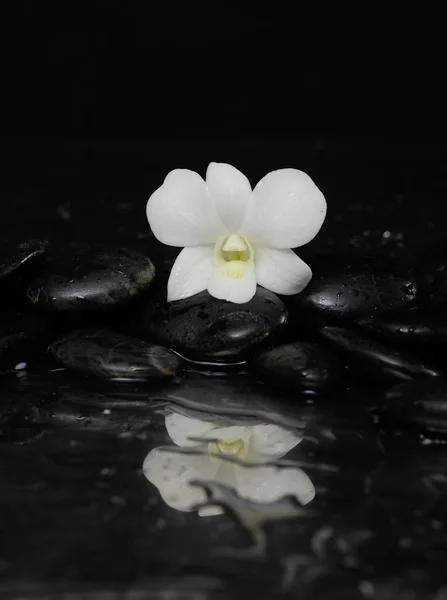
pixel 216 452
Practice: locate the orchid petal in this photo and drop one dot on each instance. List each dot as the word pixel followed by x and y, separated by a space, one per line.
pixel 281 271
pixel 190 273
pixel 181 495
pixel 237 290
pixel 172 473
pixel 224 475
pixel 231 191
pixel 286 210
pixel 269 484
pixel 181 429
pixel 271 440
pixel 210 510
pixel 180 212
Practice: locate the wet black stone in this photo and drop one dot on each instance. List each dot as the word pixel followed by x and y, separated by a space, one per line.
pixel 15 259
pixel 22 335
pixel 346 290
pixel 203 328
pixel 420 403
pixel 105 353
pixel 299 366
pixel 92 279
pixel 373 359
pixel 413 327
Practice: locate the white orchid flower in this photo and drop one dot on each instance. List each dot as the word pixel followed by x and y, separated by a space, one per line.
pixel 172 472
pixel 234 237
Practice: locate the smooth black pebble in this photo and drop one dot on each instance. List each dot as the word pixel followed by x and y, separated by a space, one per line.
pixel 22 335
pixel 411 328
pixel 421 403
pixel 96 278
pixel 370 358
pixel 205 329
pixel 105 353
pixel 299 366
pixel 350 290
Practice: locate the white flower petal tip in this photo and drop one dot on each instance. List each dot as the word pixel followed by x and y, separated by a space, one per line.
pixel 210 510
pixel 190 273
pixel 281 271
pixel 286 210
pixel 180 214
pixel 231 192
pixel 234 237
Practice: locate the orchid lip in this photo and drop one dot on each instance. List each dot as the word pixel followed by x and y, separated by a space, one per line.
pixel 233 256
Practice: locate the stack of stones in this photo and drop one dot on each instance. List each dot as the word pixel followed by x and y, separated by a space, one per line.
pixel 102 311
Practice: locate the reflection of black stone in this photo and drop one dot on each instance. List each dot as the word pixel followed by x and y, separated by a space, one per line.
pixel 299 366
pixel 235 398
pixel 373 359
pixel 413 327
pixel 349 290
pixel 203 328
pixel 22 334
pixel 96 278
pixel 106 353
pixel 16 258
pixel 252 515
pixel 61 399
pixel 421 403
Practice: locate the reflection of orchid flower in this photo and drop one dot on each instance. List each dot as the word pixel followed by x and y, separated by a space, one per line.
pixel 172 472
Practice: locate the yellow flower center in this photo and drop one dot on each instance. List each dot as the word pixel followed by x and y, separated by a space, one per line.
pixel 228 447
pixel 233 256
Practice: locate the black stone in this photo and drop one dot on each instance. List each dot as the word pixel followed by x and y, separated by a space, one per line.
pixel 109 354
pixel 412 328
pixel 23 255
pixel 421 403
pixel 22 335
pixel 92 279
pixel 203 328
pixel 347 290
pixel 373 359
pixel 299 366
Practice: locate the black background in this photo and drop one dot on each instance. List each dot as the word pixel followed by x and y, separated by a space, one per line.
pixel 101 100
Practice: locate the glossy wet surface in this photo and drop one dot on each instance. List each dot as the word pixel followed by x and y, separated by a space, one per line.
pixel 221 486
pixel 334 500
